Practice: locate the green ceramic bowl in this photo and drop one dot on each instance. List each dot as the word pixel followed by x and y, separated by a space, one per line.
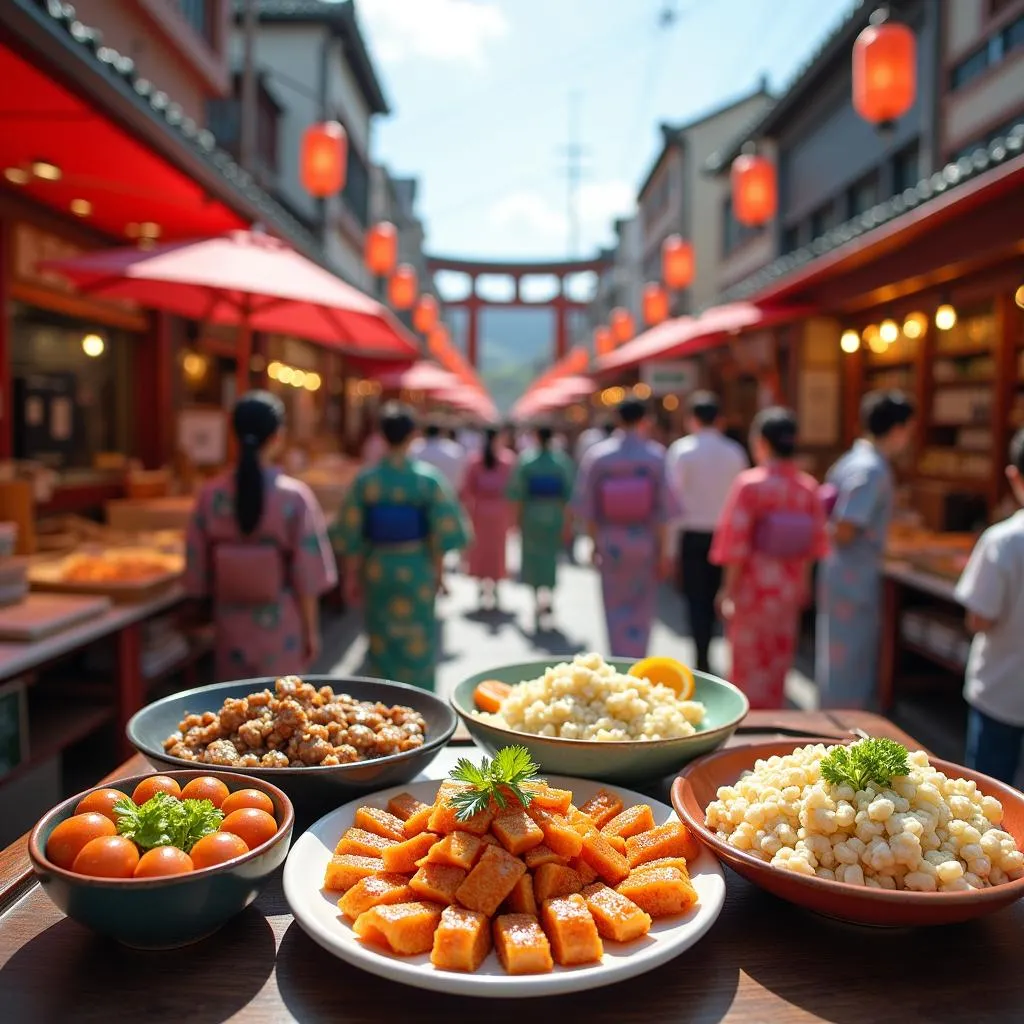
pixel 162 913
pixel 620 761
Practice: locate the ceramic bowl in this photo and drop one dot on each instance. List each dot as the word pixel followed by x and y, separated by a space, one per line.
pixel 617 761
pixel 698 786
pixel 163 913
pixel 312 788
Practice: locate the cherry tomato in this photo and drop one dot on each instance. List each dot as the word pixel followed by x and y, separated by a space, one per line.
pixel 247 798
pixel 163 860
pixel 206 788
pixel 68 838
pixel 108 857
pixel 251 824
pixel 101 801
pixel 217 848
pixel 148 788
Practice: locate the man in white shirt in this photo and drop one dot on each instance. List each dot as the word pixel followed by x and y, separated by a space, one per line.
pixel 590 437
pixel 444 455
pixel 702 467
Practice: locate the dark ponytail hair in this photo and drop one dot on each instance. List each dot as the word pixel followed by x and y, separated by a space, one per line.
pixel 544 435
pixel 778 427
pixel 258 417
pixel 490 440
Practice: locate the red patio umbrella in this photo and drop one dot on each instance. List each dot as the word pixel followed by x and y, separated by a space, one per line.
pixel 248 279
pixel 421 376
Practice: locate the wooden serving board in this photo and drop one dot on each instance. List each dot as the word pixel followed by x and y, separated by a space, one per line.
pixel 41 615
pixel 48 576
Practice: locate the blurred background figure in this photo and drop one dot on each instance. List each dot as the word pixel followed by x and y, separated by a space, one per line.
pixel 540 488
pixel 442 453
pixel 771 532
pixel 257 547
pixel 374 446
pixel 398 521
pixel 484 496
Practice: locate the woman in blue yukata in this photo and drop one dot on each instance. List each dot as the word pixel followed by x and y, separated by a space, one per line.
pixel 850 580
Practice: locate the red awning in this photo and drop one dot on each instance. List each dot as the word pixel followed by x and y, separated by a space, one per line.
pixel 421 376
pixel 469 400
pixel 556 395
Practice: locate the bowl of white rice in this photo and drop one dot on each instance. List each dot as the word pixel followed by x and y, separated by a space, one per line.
pixel 588 717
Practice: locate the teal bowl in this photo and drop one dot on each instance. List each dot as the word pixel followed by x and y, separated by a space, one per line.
pixel 163 913
pixel 622 761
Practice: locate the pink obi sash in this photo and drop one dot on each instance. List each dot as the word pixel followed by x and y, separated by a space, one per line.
pixel 786 535
pixel 249 574
pixel 626 500
pixel 490 484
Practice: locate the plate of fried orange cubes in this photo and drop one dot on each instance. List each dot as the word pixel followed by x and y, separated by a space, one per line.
pixel 495 882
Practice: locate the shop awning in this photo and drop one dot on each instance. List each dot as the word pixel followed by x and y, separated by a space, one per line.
pixel 421 376
pixel 476 403
pixel 555 395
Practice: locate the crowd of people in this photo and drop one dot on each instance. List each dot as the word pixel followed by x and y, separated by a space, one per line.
pixel 740 541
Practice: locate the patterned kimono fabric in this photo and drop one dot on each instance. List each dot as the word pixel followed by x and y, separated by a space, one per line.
pixel 261 639
pixel 483 495
pixel 850 582
pixel 399 581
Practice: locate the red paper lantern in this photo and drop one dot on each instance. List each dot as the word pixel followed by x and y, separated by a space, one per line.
pixel 604 341
pixel 676 264
pixel 381 249
pixel 623 327
pixel 424 317
pixel 438 342
pixel 655 303
pixel 323 160
pixel 754 189
pixel 884 72
pixel 403 287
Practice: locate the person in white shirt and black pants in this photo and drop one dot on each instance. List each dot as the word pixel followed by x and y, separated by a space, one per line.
pixel 702 466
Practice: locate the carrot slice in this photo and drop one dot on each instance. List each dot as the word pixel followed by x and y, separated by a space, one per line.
pixel 489 694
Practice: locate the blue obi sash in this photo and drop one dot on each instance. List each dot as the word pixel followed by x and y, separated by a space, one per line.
pixel 545 485
pixel 386 523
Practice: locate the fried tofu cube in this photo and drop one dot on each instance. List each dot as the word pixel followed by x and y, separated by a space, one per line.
pixel 459 849
pixel 662 892
pixel 489 840
pixel 602 807
pixel 617 843
pixel 403 928
pixel 405 805
pixel 572 931
pixel 552 880
pixel 584 870
pixel 361 843
pixel 521 945
pixel 551 799
pixel 617 918
pixel 559 834
pixel 462 940
pixel 521 900
pixel 437 883
pixel 489 884
pixel 516 830
pixel 418 821
pixel 670 840
pixel 664 862
pixel 344 870
pixel 542 855
pixel 404 856
pixel 443 817
pixel 380 823
pixel 610 865
pixel 373 891
pixel 630 822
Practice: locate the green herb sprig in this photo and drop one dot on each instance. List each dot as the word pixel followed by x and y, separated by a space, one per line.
pixel 491 780
pixel 164 820
pixel 876 759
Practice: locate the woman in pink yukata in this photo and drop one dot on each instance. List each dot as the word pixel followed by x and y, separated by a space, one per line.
pixel 257 547
pixel 771 532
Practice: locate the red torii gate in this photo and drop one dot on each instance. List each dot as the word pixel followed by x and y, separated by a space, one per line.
pixel 473 303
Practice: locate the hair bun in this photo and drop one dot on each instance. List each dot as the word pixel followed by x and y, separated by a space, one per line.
pixel 250 440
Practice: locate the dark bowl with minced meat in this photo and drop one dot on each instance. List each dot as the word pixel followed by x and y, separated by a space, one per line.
pixel 309 786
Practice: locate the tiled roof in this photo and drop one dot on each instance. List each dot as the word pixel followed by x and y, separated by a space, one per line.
pixel 949 178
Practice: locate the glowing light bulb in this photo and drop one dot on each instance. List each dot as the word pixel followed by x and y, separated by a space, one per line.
pixel 945 317
pixel 93 345
pixel 849 342
pixel 889 331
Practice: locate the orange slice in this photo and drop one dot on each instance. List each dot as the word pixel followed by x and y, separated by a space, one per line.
pixel 489 694
pixel 669 672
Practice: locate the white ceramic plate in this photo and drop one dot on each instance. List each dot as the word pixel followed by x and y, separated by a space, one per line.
pixel 317 913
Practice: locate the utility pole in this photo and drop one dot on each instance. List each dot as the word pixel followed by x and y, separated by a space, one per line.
pixel 573 173
pixel 247 127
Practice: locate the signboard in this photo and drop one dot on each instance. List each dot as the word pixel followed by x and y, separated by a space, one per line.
pixel 818 407
pixel 203 435
pixel 674 378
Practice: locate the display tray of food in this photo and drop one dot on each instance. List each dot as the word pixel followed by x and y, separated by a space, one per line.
pixel 122 574
pixel 38 616
pixel 869 831
pixel 498 883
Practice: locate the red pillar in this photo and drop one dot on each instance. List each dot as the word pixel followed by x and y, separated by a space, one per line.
pixel 6 385
pixel 472 327
pixel 153 368
pixel 561 327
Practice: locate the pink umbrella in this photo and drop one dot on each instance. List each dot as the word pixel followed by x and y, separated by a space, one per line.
pixel 248 279
pixel 472 401
pixel 556 395
pixel 421 376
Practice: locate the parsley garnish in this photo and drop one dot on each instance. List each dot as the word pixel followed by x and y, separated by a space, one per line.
pixel 876 759
pixel 511 767
pixel 164 820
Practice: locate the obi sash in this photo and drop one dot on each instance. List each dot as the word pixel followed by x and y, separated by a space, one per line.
pixel 386 523
pixel 545 486
pixel 829 495
pixel 626 500
pixel 248 574
pixel 490 484
pixel 786 535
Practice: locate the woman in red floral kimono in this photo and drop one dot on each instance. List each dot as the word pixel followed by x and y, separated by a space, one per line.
pixel 771 532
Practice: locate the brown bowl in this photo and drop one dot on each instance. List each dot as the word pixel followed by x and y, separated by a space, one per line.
pixel 698 786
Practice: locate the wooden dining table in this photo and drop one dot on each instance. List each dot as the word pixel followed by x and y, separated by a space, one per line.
pixel 763 962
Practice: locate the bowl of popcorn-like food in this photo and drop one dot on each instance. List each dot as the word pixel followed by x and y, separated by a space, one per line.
pixel 867 832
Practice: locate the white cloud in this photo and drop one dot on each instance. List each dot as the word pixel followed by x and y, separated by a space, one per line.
pixel 456 31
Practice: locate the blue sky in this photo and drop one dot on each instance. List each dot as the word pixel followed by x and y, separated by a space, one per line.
pixel 481 95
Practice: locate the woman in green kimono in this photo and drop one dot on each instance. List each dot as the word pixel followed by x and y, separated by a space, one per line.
pixel 541 487
pixel 399 520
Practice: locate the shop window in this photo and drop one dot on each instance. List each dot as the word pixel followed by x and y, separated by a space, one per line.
pixel 906 168
pixel 824 219
pixel 991 53
pixel 790 239
pixel 199 15
pixel 356 194
pixel 734 234
pixel 862 196
pixel 224 119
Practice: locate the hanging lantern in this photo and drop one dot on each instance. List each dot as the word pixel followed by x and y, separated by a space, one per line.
pixel 676 264
pixel 381 249
pixel 754 189
pixel 604 341
pixel 403 286
pixel 437 340
pixel 323 160
pixel 424 317
pixel 655 304
pixel 884 70
pixel 622 324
